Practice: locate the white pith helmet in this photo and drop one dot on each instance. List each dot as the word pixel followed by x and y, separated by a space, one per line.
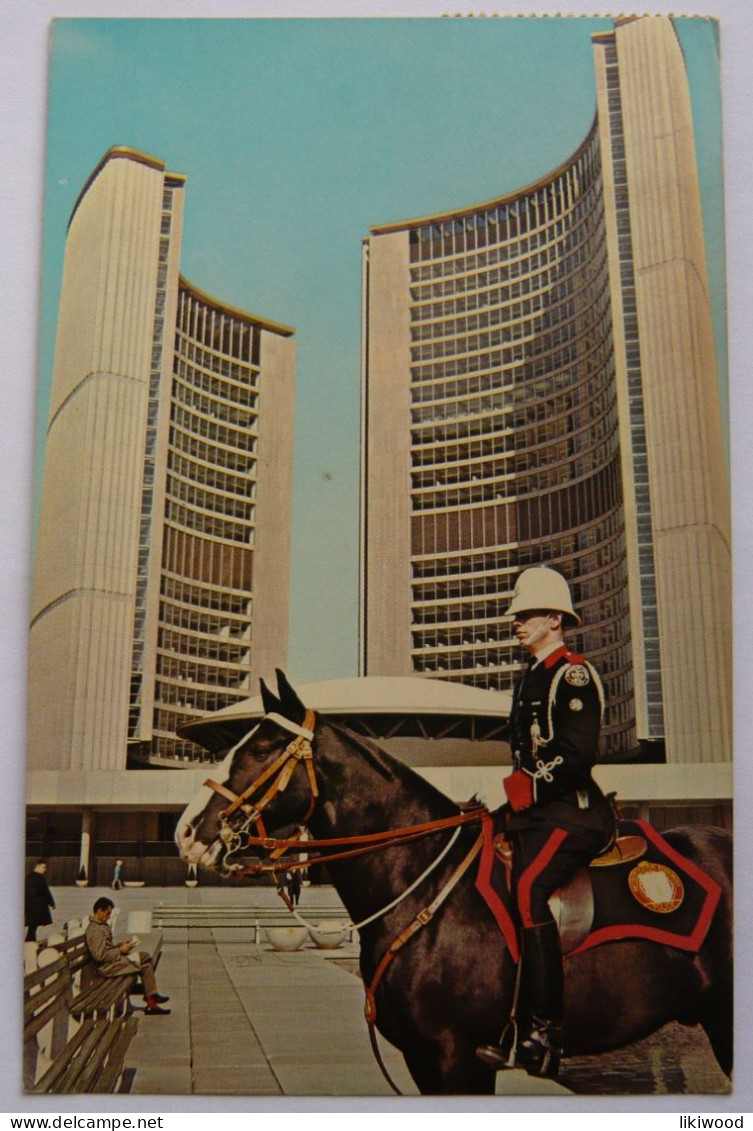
pixel 542 588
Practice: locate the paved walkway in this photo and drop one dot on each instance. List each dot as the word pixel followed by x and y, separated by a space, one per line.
pixel 248 1020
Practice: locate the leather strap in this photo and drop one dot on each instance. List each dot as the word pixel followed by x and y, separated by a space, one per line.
pixel 424 916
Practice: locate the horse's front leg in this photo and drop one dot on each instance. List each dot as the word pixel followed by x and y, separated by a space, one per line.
pixel 443 1069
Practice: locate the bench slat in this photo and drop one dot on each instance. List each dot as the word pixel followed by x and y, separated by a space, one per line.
pixel 102 996
pixel 69 1082
pixel 39 1020
pixel 114 1068
pixel 51 1077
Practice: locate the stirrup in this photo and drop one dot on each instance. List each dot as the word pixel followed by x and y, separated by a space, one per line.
pixel 501 1055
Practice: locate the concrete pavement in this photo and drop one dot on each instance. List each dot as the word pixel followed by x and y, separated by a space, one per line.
pixel 247 1020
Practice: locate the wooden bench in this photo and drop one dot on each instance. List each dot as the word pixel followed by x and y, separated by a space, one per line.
pixel 93 1059
pixel 77 1024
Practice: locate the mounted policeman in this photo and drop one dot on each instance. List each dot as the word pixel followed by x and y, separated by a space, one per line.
pixel 557 817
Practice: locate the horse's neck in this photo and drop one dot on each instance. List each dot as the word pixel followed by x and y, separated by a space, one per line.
pixel 365 792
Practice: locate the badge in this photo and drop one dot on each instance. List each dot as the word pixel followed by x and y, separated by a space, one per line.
pixel 576 704
pixel 577 676
pixel 656 887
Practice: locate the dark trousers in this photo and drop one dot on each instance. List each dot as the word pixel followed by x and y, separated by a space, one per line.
pixel 544 859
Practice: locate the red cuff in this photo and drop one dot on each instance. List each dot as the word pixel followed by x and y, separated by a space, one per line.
pixel 519 790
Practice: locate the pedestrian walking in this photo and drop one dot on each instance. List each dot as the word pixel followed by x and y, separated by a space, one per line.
pixel 38 900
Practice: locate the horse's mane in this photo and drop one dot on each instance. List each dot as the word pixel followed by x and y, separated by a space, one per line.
pixel 388 766
pixel 379 759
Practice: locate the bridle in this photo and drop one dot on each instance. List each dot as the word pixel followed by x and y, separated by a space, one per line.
pixel 278 775
pixel 276 778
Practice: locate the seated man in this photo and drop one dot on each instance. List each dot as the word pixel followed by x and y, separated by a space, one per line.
pixel 111 959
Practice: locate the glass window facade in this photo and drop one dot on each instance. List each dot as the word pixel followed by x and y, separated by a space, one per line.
pixel 206 592
pixel 514 445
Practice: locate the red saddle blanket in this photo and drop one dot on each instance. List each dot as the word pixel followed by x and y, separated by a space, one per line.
pixel 661 896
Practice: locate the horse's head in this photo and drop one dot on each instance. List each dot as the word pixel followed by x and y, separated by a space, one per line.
pixel 265 783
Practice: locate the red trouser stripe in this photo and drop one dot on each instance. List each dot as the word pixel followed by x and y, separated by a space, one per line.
pixel 534 869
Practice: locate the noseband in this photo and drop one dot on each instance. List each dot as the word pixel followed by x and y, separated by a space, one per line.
pixel 278 775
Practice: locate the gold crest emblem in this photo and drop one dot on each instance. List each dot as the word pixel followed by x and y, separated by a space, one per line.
pixel 577 676
pixel 656 886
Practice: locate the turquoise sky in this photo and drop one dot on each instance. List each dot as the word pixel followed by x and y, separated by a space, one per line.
pixel 296 137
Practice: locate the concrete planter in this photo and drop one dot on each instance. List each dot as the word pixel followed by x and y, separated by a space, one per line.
pixel 328 936
pixel 286 938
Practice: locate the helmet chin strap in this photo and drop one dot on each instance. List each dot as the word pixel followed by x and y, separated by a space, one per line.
pixel 538 632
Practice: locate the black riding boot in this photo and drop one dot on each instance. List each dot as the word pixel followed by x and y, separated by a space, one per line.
pixel 540 1042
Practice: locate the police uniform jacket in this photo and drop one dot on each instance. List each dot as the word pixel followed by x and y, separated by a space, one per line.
pixel 105 953
pixel 554 734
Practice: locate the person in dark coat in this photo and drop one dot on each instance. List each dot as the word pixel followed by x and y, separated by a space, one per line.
pixel 557 816
pixel 111 958
pixel 37 900
pixel 294 882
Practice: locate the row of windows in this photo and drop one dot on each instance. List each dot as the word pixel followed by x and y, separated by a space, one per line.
pixel 584 215
pixel 182 592
pixel 211 477
pixel 541 357
pixel 532 319
pixel 475 287
pixel 206 622
pixel 535 273
pixel 242 462
pixel 544 207
pixel 453 237
pixel 217 407
pixel 525 410
pixel 545 310
pixel 174 672
pixel 216 329
pixel 198 498
pixel 211 428
pixel 209 648
pixel 546 267
pixel 170 749
pixel 211 525
pixel 217 374
pixel 207 562
pixel 467 302
pixel 515 486
pixel 582 412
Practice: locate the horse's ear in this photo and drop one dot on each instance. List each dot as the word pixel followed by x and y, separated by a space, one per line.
pixel 270 702
pixel 292 707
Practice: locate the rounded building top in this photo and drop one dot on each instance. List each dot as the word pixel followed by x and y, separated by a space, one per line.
pixel 388 697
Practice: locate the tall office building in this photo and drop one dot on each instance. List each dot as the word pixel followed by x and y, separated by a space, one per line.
pixel 162 564
pixel 540 386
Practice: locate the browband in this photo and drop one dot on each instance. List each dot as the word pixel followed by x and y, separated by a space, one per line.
pixel 292 727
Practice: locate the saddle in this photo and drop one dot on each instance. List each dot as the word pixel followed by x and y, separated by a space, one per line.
pixel 641 887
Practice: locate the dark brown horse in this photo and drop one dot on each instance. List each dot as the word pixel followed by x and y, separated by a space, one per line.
pixel 450 987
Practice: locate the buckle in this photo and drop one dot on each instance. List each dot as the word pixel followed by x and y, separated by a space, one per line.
pixel 424 916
